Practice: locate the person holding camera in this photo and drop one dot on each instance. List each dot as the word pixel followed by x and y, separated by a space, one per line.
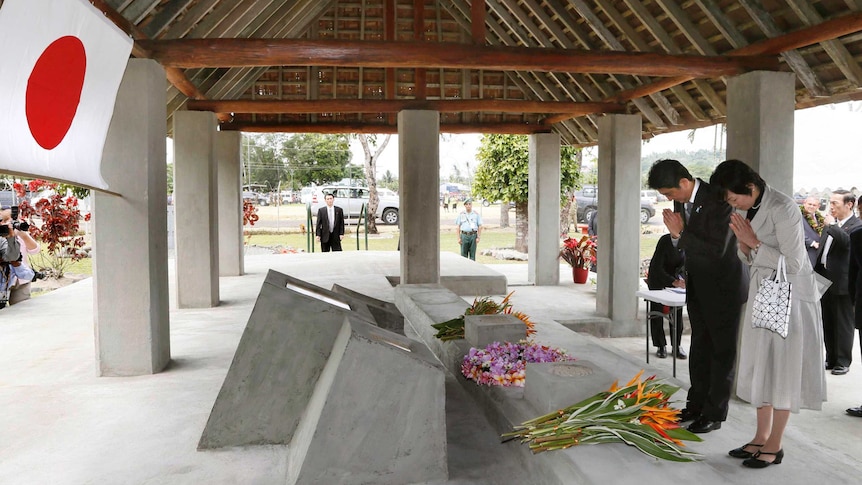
pixel 19 287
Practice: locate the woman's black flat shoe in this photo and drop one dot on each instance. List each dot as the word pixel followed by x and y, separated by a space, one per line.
pixel 741 453
pixel 754 462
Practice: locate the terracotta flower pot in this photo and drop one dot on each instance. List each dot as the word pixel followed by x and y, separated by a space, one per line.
pixel 579 275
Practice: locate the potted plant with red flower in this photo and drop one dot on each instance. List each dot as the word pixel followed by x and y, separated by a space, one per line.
pixel 580 254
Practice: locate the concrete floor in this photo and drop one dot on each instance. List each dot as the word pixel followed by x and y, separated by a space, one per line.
pixel 61 424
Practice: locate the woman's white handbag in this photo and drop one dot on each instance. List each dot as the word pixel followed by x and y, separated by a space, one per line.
pixel 771 309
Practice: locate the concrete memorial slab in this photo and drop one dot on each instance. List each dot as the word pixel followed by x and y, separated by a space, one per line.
pixel 556 385
pixel 481 330
pixel 353 402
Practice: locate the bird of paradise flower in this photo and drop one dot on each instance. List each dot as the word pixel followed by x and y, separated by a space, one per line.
pixel 638 414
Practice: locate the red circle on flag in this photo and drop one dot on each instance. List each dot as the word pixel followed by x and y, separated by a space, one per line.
pixel 54 90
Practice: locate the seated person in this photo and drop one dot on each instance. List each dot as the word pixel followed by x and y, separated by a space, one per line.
pixel 665 270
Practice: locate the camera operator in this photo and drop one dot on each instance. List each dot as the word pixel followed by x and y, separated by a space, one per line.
pixel 19 285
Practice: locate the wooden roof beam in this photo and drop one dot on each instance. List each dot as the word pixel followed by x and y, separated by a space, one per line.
pixel 383 129
pixel 396 105
pixel 200 53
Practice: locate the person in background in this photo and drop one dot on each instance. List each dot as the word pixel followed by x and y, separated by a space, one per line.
pixel 453 203
pixel 20 291
pixel 714 284
pixel 330 225
pixel 666 270
pixel 833 262
pixel 813 223
pixel 777 375
pixel 469 225
pixel 854 286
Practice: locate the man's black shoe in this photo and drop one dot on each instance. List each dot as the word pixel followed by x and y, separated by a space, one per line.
pixel 855 412
pixel 661 353
pixel 703 425
pixel 680 354
pixel 840 370
pixel 688 415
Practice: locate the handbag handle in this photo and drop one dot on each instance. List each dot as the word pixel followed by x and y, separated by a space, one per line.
pixel 781 270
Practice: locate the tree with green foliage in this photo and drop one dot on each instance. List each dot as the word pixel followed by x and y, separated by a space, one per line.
pixel 315 158
pixel 503 174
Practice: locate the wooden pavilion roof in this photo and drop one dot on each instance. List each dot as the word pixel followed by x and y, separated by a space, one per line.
pixel 489 66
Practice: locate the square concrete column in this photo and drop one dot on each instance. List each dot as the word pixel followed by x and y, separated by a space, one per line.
pixel 543 209
pixel 196 205
pixel 760 111
pixel 230 247
pixel 619 220
pixel 130 244
pixel 419 172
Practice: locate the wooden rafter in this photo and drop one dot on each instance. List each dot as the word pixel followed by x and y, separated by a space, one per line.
pixel 396 105
pixel 200 53
pixel 387 128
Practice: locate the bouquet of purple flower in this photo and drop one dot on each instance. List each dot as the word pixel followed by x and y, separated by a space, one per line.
pixel 506 364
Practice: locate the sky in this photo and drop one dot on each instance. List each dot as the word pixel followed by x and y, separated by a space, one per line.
pixel 826 152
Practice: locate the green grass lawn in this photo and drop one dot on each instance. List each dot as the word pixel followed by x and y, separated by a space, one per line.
pixel 499 238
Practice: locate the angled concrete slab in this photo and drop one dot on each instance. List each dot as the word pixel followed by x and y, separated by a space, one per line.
pixel 283 350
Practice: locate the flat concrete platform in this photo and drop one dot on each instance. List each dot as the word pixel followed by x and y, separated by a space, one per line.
pixel 61 424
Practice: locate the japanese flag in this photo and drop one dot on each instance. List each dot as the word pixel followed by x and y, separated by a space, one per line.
pixel 61 63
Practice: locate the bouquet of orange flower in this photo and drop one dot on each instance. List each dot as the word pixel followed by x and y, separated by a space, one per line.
pixel 579 253
pixel 638 415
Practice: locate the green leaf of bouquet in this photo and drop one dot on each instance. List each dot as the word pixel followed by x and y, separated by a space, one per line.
pixel 682 434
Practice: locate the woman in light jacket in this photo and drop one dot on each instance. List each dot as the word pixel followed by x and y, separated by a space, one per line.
pixel 776 375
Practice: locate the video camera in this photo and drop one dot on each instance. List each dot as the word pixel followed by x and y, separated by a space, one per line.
pixel 10 250
pixel 21 226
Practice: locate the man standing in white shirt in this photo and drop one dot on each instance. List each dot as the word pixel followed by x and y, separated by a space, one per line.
pixel 469 230
pixel 833 262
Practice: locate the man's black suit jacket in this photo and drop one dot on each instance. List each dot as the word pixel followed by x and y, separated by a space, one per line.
pixel 854 279
pixel 322 229
pixel 714 271
pixel 665 265
pixel 838 258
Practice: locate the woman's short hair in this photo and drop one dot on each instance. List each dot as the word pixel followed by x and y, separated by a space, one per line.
pixel 735 176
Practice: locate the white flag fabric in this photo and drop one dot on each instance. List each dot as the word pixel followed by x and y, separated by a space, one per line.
pixel 61 63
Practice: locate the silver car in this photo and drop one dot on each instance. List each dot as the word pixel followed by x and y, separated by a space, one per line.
pixel 351 199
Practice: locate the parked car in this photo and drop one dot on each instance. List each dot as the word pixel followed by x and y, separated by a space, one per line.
pixel 350 199
pixel 653 196
pixel 588 201
pixel 255 198
pixel 305 195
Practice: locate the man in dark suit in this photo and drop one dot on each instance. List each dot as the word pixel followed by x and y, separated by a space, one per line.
pixel 833 262
pixel 715 288
pixel 854 282
pixel 330 225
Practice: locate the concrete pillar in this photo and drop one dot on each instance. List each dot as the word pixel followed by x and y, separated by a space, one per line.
pixel 619 221
pixel 230 247
pixel 760 111
pixel 543 209
pixel 419 172
pixel 130 247
pixel 196 203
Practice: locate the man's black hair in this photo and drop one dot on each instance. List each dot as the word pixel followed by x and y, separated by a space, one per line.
pixel 848 197
pixel 666 174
